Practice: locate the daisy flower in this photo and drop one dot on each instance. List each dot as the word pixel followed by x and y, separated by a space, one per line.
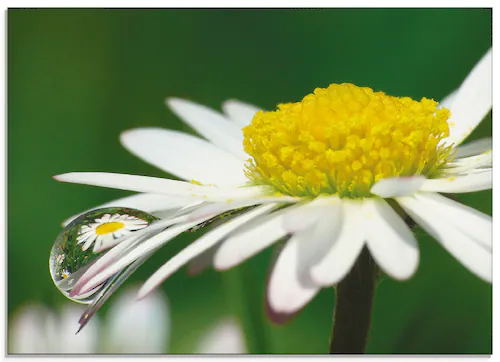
pixel 333 174
pixel 105 230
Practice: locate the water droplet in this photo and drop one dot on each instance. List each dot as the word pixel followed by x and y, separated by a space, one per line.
pixel 86 239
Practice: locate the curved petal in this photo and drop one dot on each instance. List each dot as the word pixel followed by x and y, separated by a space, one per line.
pixel 344 251
pixel 185 156
pixel 160 186
pixel 243 245
pixel 469 220
pixel 397 186
pixel 145 202
pixel 203 261
pixel 239 112
pixel 303 216
pixel 252 239
pixel 220 207
pixel 199 246
pixel 144 248
pixel 458 184
pixel 286 291
pixel 472 102
pixel 210 124
pixel 290 286
pixel 468 251
pixel 390 241
pixel 474 147
pixel 466 164
pixel 116 253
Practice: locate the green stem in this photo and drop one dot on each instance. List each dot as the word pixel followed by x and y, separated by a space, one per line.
pixel 244 296
pixel 353 307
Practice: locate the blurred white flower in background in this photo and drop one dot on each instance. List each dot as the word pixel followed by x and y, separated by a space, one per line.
pixel 225 337
pixel 137 326
pixel 130 326
pixel 37 329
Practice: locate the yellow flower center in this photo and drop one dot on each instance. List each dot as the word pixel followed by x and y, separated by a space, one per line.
pixel 342 139
pixel 109 227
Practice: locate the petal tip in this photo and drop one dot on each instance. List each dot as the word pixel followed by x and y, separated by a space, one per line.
pixel 141 294
pixel 173 102
pixel 62 177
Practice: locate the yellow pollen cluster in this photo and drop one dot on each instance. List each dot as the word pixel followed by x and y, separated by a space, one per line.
pixel 342 139
pixel 109 227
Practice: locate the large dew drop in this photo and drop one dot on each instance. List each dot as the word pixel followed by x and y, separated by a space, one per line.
pixel 87 238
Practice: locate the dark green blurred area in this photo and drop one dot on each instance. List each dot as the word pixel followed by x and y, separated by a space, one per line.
pixel 78 78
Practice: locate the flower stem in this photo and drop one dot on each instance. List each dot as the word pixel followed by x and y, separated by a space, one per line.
pixel 249 307
pixel 353 307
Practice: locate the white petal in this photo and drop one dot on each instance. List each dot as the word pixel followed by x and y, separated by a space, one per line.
pixel 466 164
pixel 80 239
pixel 220 207
pixel 199 246
pixel 144 248
pixel 134 226
pixel 186 156
pixel 239 112
pixel 448 100
pixel 104 261
pixel 301 217
pixel 468 251
pixel 107 241
pixel 210 124
pixel 262 232
pixel 191 206
pixel 474 147
pixel 89 241
pixel 137 326
pixel 345 249
pixel 472 102
pixel 145 202
pixel 389 240
pixel 125 246
pixel 286 292
pixel 161 186
pixel 469 220
pixel 397 186
pixel 477 171
pixel 105 218
pixel 290 286
pixel 203 261
pixel 457 184
pixel 242 245
pixel 116 217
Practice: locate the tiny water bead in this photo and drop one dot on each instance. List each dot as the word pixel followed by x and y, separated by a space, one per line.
pixel 342 139
pixel 87 238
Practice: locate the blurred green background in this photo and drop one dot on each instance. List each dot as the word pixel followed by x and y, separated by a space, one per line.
pixel 77 78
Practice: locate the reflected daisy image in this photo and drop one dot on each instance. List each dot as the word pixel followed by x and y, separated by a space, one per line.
pixel 339 177
pixel 105 230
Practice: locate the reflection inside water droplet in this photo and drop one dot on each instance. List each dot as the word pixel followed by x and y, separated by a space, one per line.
pixel 86 239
